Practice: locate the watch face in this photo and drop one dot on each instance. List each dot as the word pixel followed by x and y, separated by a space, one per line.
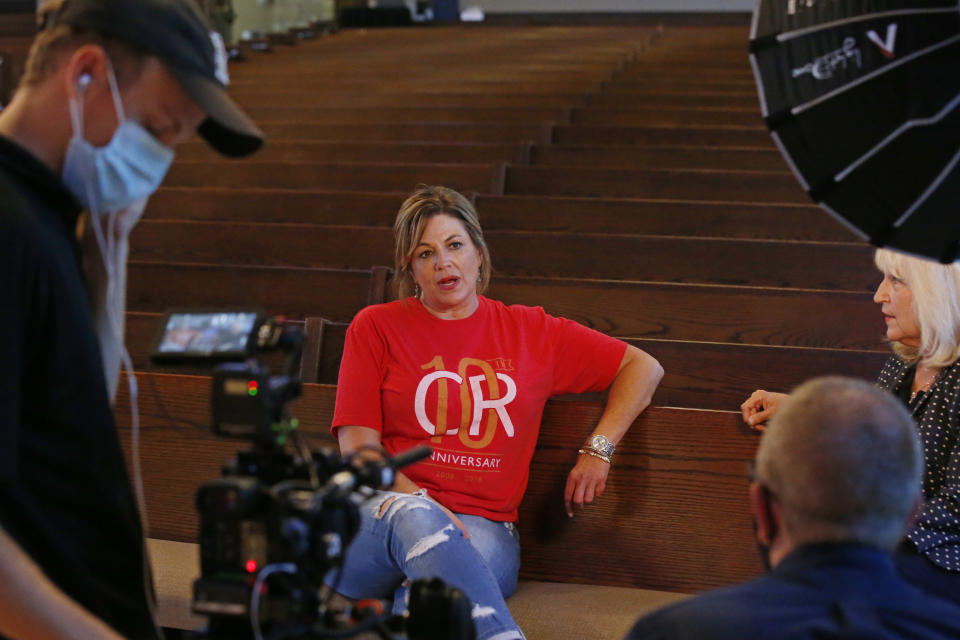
pixel 601 444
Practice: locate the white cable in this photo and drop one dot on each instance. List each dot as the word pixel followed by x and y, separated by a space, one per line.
pixel 110 255
pixel 284 567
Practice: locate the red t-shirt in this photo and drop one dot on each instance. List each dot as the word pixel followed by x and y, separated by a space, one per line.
pixel 472 389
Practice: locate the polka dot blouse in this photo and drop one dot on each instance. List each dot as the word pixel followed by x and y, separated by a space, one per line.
pixel 937 413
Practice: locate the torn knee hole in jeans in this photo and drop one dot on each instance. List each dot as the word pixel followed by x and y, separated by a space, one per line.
pixel 429 542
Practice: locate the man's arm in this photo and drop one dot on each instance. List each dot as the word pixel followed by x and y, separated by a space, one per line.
pixel 31 606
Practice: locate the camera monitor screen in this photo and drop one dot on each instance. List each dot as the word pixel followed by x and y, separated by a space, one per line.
pixel 220 335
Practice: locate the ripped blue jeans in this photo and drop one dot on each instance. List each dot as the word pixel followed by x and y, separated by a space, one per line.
pixel 412 537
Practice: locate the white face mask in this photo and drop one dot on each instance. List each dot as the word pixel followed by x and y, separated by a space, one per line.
pixel 128 169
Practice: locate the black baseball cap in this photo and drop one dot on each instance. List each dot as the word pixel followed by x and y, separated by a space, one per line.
pixel 179 35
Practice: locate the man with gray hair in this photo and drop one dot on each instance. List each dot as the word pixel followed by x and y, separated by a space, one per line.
pixel 838 475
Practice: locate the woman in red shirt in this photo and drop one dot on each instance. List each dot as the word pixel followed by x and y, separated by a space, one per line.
pixel 468 376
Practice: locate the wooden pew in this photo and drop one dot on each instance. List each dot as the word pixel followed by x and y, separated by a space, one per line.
pixel 710 313
pixel 485 178
pixel 643 157
pixel 752 137
pixel 745 315
pixel 316 151
pixel 543 213
pixel 671 83
pixel 494 84
pixel 712 185
pixel 844 266
pixel 704 115
pixel 661 217
pixel 701 375
pixel 655 97
pixel 678 474
pixel 409 132
pixel 398 114
pixel 292 292
pixel 720 376
pixel 252 97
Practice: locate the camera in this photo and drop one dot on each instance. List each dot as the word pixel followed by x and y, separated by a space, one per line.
pixel 281 516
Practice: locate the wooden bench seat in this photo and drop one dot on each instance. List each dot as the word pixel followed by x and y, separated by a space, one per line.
pixel 774 263
pixel 577 610
pixel 694 184
pixel 546 213
pixel 484 178
pixel 678 475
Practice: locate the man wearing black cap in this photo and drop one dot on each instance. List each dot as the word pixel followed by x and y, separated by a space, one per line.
pixel 110 87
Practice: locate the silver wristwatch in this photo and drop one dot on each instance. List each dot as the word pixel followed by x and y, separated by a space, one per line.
pixel 600 444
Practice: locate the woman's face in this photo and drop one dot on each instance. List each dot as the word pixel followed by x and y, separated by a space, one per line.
pixel 446 266
pixel 896 302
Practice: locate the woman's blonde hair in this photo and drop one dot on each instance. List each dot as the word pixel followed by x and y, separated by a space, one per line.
pixel 936 305
pixel 415 212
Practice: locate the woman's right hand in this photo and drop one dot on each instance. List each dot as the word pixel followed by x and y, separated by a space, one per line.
pixel 760 407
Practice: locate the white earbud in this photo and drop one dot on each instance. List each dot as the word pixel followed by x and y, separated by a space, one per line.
pixel 83 82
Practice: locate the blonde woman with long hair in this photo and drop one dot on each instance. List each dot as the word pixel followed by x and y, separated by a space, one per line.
pixel 920 303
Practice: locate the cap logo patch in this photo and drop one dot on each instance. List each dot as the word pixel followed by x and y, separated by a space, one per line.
pixel 219 58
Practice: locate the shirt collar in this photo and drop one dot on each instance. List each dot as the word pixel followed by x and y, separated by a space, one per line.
pixel 851 555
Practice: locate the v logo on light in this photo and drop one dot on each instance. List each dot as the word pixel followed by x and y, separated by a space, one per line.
pixel 886 46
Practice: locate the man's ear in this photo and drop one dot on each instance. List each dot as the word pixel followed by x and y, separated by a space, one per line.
pixel 85 71
pixel 763 514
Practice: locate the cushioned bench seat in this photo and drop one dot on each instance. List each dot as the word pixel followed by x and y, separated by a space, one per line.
pixel 545 610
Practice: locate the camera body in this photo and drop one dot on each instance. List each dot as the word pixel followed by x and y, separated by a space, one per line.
pixel 281 515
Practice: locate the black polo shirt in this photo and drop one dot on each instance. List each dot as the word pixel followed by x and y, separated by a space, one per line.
pixel 65 495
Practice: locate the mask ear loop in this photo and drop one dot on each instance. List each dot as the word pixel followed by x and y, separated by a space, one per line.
pixel 109 253
pixel 115 306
